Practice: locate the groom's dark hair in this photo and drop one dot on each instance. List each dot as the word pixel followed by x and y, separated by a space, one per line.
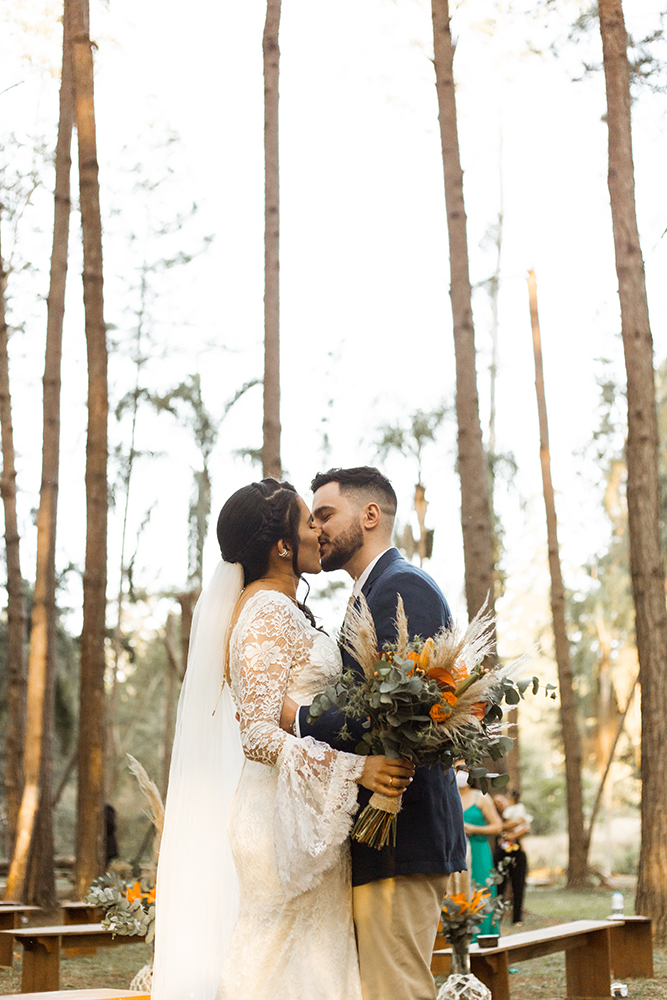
pixel 364 480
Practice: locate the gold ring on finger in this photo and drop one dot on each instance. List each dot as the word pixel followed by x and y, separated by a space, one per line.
pixel 391 782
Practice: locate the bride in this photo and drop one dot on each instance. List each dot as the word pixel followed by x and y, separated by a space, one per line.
pixel 253 890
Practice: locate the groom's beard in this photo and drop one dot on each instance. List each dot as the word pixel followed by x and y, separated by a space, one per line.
pixel 341 549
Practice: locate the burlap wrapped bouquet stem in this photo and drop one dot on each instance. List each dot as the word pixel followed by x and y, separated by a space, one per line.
pixel 376 823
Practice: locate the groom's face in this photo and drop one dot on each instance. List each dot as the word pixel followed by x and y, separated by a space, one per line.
pixel 338 520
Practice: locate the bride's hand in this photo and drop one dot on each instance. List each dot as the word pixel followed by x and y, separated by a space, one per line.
pixel 388 775
pixel 288 714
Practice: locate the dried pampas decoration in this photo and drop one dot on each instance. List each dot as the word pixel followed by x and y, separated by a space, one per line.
pixel 359 637
pixel 155 811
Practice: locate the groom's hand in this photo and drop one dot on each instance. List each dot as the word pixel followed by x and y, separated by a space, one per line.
pixel 387 775
pixel 288 715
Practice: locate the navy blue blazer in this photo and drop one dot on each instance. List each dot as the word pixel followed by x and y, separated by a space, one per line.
pixel 430 836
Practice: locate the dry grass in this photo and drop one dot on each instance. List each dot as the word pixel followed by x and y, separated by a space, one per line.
pixel 110 969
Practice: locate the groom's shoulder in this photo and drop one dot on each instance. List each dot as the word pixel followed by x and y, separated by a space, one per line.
pixel 399 569
pixel 424 603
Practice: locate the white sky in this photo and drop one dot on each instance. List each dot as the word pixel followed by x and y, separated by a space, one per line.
pixel 365 314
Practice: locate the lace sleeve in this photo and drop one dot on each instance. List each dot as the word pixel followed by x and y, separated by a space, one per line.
pixel 267 644
pixel 316 793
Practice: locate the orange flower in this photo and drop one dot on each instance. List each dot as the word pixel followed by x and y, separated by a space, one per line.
pixel 477 902
pixel 449 697
pixel 461 669
pixel 414 657
pixel 478 710
pixel 439 712
pixel 442 676
pixel 426 654
pixel 460 898
pixel 134 892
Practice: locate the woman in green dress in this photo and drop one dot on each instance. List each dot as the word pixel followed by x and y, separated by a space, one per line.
pixel 482 821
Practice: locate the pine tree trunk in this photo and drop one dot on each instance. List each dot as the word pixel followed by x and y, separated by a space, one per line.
pixel 578 840
pixel 271 462
pixel 16 609
pixel 90 802
pixel 41 890
pixel 472 462
pixel 187 600
pixel 170 702
pixel 646 563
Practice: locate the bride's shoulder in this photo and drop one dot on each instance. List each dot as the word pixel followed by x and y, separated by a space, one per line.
pixel 266 604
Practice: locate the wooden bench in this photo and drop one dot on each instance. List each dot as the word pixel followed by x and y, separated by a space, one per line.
pixel 10 918
pixel 593 950
pixel 41 950
pixel 80 913
pixel 81 995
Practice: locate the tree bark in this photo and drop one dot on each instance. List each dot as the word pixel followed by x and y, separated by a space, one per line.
pixel 16 607
pixel 41 889
pixel 187 600
pixel 271 462
pixel 646 562
pixel 578 844
pixel 472 461
pixel 90 801
pixel 170 701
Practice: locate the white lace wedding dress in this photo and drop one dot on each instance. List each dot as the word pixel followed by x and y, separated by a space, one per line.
pixel 288 826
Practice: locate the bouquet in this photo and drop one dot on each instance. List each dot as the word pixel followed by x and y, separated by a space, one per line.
pixel 432 701
pixel 461 916
pixel 129 908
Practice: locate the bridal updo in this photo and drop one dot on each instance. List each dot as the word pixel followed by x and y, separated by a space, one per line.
pixel 255 518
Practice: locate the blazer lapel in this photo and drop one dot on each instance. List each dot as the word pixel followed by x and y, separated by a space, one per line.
pixel 384 562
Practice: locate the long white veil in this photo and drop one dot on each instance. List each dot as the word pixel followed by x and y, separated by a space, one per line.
pixel 197 888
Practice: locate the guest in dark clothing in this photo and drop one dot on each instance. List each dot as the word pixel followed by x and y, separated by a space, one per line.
pixel 110 842
pixel 516 825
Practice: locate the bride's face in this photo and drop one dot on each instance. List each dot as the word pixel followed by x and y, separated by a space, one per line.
pixel 309 542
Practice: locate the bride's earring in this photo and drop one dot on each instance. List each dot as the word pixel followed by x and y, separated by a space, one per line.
pixel 283 554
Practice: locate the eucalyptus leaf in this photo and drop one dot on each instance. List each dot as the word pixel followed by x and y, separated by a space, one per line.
pixel 500 780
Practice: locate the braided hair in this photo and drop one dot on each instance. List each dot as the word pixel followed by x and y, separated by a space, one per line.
pixel 255 518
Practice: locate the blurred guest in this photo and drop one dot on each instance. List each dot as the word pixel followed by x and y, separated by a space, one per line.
pixel 481 821
pixel 515 826
pixel 110 842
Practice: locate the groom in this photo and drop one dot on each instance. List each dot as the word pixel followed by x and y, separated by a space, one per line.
pixel 397 892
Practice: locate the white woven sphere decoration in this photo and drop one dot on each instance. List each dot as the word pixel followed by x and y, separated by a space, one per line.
pixel 464 988
pixel 144 979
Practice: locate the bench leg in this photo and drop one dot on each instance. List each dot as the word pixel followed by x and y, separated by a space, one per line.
pixel 41 966
pixel 8 922
pixel 588 967
pixel 632 950
pixel 493 971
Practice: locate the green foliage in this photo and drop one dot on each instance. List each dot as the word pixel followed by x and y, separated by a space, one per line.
pixel 411 438
pixel 412 713
pixel 129 908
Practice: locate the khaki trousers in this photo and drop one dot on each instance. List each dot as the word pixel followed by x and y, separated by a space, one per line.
pixel 396 920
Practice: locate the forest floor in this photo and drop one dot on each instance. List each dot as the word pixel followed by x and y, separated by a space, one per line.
pixel 538 979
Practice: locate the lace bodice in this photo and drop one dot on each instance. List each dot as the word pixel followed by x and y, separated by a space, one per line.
pixel 274 651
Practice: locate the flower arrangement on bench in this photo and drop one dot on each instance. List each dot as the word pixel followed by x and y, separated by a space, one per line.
pixel 129 907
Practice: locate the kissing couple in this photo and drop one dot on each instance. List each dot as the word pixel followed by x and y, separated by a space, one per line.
pixel 261 895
